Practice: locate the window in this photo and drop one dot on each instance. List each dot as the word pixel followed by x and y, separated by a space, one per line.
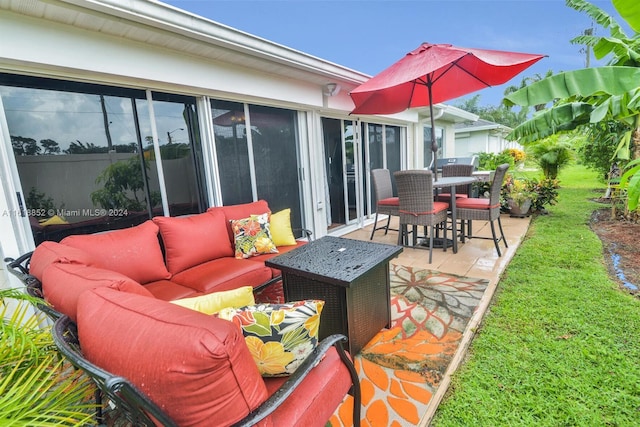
pixel 257 155
pixel 84 156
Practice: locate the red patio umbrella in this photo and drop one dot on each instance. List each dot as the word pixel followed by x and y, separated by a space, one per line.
pixel 435 73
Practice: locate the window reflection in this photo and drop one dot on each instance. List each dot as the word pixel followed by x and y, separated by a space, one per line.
pixel 84 156
pixel 266 158
pixel 232 151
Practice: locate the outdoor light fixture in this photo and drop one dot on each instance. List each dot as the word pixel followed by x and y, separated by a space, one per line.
pixel 331 89
pixel 169 134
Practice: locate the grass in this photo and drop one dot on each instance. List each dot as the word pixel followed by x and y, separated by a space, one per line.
pixel 559 345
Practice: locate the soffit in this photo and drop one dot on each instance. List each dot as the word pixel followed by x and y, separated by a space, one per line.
pixel 167 27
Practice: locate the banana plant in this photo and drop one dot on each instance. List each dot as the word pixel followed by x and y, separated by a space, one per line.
pixel 630 12
pixel 589 95
pixel 592 95
pixel 37 387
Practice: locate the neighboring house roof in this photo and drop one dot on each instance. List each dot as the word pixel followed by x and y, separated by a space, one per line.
pixel 447 113
pixel 481 125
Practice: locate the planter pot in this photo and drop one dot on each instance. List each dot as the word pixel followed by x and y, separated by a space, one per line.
pixel 519 211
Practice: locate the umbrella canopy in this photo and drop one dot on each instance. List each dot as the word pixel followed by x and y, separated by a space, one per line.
pixel 435 73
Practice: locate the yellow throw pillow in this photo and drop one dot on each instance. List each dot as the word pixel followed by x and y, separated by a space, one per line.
pixel 54 220
pixel 216 301
pixel 281 233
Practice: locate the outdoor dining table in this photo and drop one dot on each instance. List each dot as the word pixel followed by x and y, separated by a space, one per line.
pixel 451 182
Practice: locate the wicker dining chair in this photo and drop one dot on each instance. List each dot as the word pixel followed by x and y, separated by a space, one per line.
pixel 418 208
pixel 456 169
pixel 386 203
pixel 470 209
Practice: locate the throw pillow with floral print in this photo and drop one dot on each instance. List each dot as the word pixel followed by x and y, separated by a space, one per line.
pixel 279 336
pixel 252 236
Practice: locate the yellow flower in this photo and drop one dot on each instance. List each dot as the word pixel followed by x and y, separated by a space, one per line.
pixel 312 324
pixel 277 317
pixel 270 357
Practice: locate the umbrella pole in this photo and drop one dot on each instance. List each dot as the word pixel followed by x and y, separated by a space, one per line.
pixel 434 146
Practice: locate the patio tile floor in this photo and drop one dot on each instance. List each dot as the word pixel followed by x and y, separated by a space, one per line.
pixel 475 258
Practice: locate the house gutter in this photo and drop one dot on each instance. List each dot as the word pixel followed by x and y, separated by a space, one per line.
pixel 171 19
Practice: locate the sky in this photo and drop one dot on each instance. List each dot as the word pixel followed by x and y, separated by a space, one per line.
pixel 370 35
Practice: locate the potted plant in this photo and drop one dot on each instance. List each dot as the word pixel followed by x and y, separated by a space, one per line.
pixel 519 196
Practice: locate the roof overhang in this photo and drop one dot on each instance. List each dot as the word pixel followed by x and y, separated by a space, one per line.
pixel 447 113
pixel 162 25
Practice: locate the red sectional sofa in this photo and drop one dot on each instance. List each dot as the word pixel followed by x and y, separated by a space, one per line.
pixel 170 257
pixel 111 292
pixel 197 368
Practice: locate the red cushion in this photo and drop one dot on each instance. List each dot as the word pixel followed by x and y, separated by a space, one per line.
pixel 192 240
pixel 63 284
pixel 196 367
pixel 223 274
pixel 49 252
pixel 134 252
pixel 473 203
pixel 447 196
pixel 244 210
pixel 167 290
pixel 390 201
pixel 317 397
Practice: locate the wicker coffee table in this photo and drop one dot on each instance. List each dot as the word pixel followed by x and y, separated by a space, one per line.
pixel 351 276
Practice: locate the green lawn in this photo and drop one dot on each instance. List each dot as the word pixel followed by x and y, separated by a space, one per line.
pixel 560 344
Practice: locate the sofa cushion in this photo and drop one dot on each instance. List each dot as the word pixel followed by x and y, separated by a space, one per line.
pixel 239 211
pixel 168 290
pixel 252 236
pixel 46 253
pixel 63 284
pixel 134 252
pixel 223 274
pixel 195 367
pixel 279 336
pixel 281 250
pixel 216 301
pixel 192 240
pixel 280 227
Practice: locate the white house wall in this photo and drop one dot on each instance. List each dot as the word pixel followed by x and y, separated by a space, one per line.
pixel 61 50
pixel 41 47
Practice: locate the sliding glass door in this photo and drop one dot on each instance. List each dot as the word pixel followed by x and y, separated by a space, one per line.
pixel 348 166
pixel 85 155
pixel 257 154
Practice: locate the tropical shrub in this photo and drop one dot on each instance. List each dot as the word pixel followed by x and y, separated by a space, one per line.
pixel 546 191
pixel 630 180
pixel 490 161
pixel 123 187
pixel 518 155
pixel 551 154
pixel 37 386
pixel 542 192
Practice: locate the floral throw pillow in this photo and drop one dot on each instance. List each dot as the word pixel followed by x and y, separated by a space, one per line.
pixel 279 336
pixel 252 236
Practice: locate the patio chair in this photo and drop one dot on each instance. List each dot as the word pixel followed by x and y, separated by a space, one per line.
pixel 470 209
pixel 456 169
pixel 386 203
pixel 418 208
